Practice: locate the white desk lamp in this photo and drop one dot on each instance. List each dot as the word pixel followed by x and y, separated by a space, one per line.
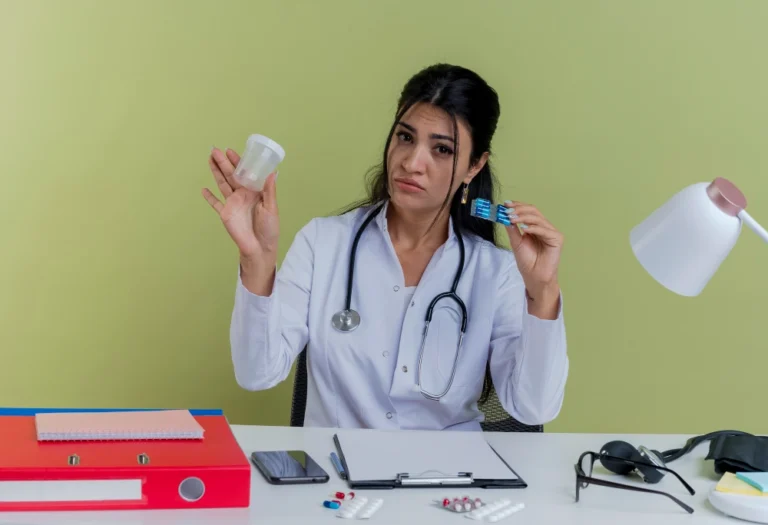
pixel 681 245
pixel 683 242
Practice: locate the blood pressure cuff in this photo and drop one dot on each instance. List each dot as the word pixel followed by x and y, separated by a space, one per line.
pixel 739 454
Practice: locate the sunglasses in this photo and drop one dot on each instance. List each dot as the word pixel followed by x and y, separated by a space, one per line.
pixel 584 477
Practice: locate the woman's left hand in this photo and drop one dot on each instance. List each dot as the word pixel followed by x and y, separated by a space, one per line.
pixel 537 246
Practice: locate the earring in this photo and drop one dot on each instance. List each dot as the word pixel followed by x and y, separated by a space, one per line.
pixel 465 195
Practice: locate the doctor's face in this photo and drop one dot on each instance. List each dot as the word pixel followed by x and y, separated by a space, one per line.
pixel 420 159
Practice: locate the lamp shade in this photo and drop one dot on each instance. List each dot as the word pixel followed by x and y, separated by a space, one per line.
pixel 683 242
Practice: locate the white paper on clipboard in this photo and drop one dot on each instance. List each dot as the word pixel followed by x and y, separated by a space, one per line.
pixel 383 455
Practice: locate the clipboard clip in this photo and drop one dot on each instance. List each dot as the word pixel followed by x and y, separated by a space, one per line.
pixel 462 478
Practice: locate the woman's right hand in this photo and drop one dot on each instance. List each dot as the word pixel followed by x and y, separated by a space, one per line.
pixel 250 217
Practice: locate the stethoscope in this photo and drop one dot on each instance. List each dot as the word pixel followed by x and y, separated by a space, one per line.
pixel 348 319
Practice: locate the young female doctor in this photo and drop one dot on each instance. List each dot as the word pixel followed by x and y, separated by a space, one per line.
pixel 409 309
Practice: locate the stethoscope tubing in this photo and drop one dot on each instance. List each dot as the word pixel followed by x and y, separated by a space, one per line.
pixel 430 309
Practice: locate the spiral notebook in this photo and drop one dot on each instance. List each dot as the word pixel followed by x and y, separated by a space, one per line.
pixel 98 426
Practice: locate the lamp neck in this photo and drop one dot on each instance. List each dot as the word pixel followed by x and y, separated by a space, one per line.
pixel 753 225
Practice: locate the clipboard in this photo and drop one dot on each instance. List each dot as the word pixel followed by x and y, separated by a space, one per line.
pixel 468 449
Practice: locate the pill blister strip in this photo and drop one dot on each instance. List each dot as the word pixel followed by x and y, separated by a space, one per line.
pixel 483 209
pixel 360 508
pixel 494 511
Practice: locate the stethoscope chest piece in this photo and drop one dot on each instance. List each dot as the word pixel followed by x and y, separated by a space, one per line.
pixel 345 320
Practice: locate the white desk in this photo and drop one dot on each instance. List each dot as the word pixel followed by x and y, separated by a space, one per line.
pixel 545 461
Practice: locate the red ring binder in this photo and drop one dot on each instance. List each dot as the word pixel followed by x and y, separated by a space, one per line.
pixel 122 475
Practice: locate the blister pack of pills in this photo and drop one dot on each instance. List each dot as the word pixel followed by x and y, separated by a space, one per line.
pixel 360 508
pixel 495 511
pixel 464 504
pixel 483 209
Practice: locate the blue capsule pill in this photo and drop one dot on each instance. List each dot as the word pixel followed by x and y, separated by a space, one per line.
pixel 480 208
pixel 501 215
pixel 331 504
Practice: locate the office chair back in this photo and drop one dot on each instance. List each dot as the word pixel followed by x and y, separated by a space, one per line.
pixel 496 418
pixel 299 401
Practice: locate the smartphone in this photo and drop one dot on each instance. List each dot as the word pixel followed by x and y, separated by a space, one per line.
pixel 283 467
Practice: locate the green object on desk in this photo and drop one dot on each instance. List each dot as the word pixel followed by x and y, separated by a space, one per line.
pixel 759 480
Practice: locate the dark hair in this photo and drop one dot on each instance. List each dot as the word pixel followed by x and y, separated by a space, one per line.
pixel 464 96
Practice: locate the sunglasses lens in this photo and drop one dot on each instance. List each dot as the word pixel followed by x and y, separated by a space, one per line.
pixel 586 468
pixel 590 466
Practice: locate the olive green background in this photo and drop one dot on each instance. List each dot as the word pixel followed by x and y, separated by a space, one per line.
pixel 117 279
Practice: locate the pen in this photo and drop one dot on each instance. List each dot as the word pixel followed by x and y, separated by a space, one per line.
pixel 337 464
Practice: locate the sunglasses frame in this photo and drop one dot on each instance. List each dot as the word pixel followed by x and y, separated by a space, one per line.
pixel 583 480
